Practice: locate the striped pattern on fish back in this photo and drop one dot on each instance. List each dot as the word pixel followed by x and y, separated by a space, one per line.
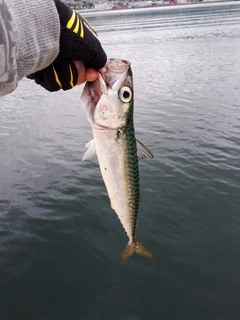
pixel 132 173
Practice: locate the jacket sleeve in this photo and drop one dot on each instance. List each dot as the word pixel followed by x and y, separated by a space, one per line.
pixel 29 39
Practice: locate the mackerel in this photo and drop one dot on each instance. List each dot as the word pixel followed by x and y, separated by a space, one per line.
pixel 108 103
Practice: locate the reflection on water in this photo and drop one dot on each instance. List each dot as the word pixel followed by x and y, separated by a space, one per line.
pixel 60 241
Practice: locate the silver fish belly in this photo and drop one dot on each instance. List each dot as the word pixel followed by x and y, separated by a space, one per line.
pixel 108 103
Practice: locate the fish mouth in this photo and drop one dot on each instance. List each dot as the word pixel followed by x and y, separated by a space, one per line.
pixel 107 77
pixel 110 74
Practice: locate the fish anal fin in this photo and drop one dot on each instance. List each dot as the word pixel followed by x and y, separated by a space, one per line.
pixel 142 151
pixel 135 247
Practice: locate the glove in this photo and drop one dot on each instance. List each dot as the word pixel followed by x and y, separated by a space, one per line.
pixel 78 41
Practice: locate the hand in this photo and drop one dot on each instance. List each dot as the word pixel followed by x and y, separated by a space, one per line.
pixel 80 55
pixel 84 74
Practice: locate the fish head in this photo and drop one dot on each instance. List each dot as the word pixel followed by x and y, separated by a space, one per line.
pixel 108 101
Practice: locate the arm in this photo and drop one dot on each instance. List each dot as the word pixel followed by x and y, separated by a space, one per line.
pixel 48 42
pixel 29 39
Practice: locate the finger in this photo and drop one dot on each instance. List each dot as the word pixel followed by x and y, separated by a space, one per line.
pixel 91 74
pixel 84 74
pixel 81 69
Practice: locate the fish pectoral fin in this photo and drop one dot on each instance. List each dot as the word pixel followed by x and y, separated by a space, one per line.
pixel 142 151
pixel 91 150
pixel 135 247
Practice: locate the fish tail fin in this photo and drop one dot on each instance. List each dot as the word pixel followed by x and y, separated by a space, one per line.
pixel 135 247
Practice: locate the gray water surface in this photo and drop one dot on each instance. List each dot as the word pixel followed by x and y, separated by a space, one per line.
pixel 60 241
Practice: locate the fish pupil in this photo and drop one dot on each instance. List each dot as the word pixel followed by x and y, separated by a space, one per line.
pixel 126 94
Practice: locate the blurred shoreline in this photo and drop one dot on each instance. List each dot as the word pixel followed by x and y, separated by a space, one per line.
pixel 112 6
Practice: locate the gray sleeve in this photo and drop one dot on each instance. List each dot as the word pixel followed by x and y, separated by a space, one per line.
pixel 29 39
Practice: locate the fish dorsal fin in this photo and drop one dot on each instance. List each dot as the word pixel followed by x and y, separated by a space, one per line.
pixel 142 151
pixel 91 150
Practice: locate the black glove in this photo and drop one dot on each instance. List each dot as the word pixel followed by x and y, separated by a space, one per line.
pixel 78 41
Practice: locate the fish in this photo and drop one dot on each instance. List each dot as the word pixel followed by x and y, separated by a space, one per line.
pixel 108 103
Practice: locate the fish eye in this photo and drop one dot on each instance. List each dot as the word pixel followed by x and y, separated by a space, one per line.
pixel 125 94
